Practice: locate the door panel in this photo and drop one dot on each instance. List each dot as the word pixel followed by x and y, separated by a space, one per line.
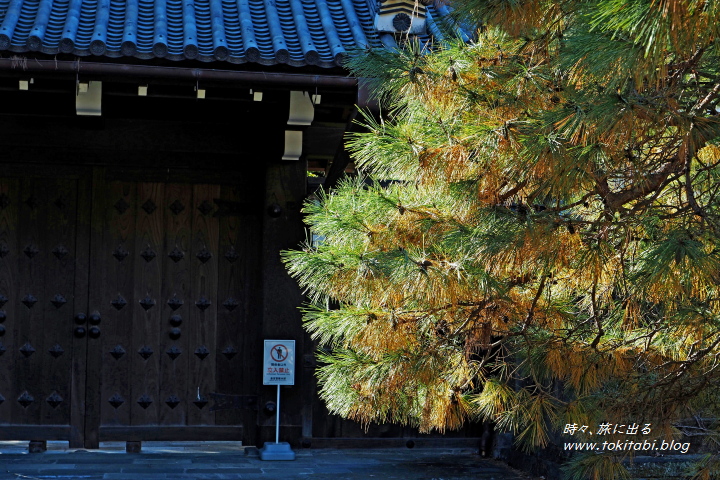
pixel 43 255
pixel 238 329
pixel 204 305
pixel 176 296
pixel 143 311
pixel 176 286
pixel 112 280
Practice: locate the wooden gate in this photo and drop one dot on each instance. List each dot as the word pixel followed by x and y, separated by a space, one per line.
pixel 127 307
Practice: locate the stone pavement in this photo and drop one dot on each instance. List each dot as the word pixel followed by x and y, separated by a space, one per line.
pixel 222 460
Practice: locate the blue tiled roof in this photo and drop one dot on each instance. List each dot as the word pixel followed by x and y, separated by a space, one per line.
pixel 294 32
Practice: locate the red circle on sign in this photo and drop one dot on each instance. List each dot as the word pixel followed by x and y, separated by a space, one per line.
pixel 279 353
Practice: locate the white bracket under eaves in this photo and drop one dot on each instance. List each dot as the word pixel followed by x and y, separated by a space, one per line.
pixel 302 110
pixel 88 98
pixel 293 145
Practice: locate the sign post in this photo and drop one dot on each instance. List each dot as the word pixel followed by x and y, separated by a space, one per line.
pixel 278 369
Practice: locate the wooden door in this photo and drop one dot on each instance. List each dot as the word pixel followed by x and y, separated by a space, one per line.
pixel 44 226
pixel 174 277
pixel 127 307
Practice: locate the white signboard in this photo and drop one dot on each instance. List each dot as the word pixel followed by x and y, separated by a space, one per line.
pixel 279 362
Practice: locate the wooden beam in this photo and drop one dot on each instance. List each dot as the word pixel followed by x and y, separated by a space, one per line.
pixel 172 433
pixel 285 190
pixel 36 432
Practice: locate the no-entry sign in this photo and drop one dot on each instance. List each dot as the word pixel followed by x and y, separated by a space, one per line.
pixel 279 362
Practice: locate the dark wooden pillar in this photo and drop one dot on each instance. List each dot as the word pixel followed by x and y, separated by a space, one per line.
pixel 285 190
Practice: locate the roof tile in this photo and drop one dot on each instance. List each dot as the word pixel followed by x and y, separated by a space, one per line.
pixel 294 32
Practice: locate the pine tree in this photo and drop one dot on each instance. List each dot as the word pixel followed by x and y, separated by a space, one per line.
pixel 534 239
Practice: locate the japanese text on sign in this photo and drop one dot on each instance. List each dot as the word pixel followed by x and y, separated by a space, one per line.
pixel 279 362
